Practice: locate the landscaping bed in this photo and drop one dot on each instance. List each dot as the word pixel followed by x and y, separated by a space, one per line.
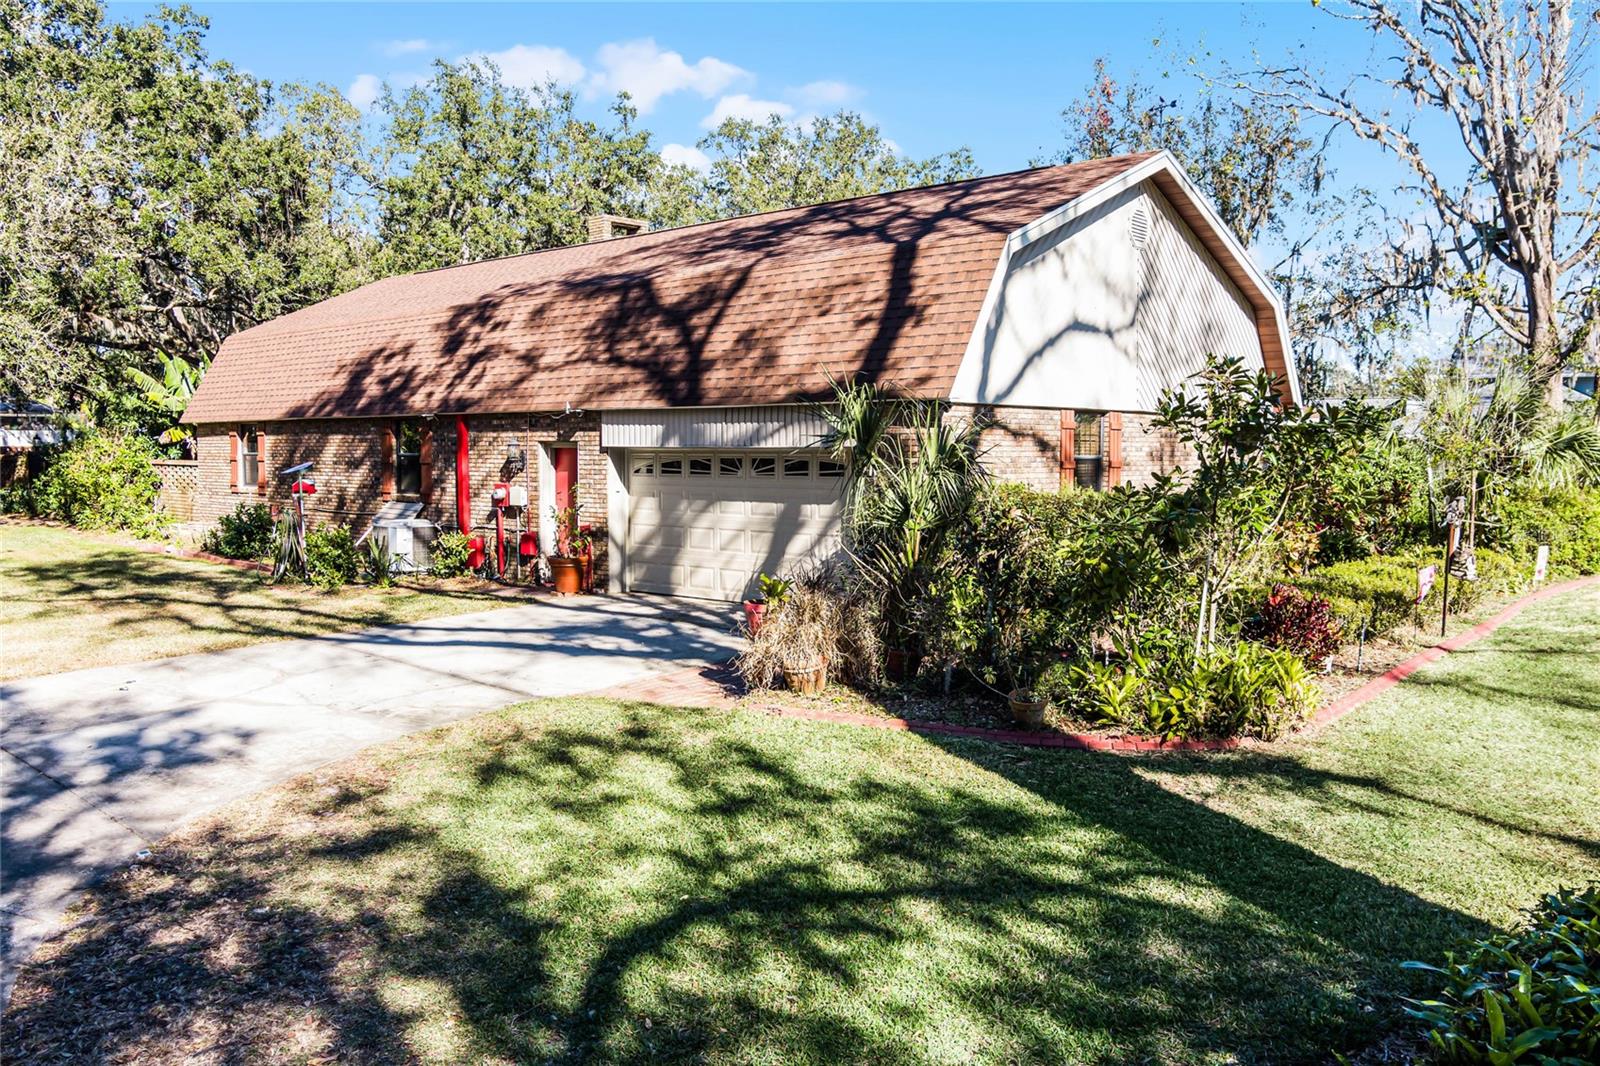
pixel 579 879
pixel 972 706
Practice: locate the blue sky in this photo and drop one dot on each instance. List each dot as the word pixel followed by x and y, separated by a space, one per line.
pixel 993 77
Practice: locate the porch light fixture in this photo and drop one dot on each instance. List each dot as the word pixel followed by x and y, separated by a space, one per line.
pixel 516 458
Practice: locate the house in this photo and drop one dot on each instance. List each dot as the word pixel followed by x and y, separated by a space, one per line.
pixel 661 379
pixel 26 431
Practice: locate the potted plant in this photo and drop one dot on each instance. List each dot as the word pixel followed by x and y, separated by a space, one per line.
pixel 772 591
pixel 1024 654
pixel 572 550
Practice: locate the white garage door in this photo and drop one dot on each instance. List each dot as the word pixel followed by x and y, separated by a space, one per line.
pixel 705 524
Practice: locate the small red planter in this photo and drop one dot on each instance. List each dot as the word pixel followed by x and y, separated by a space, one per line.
pixel 754 612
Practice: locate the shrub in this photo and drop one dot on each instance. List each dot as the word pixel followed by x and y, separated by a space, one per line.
pixel 450 553
pixel 1369 501
pixel 331 557
pixel 1295 622
pixel 288 553
pixel 1531 995
pixel 244 534
pixel 102 481
pixel 1567 519
pixel 1028 575
pixel 1229 691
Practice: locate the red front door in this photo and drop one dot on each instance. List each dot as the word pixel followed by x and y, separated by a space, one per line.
pixel 566 464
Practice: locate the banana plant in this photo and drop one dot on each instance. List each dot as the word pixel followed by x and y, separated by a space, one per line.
pixel 172 391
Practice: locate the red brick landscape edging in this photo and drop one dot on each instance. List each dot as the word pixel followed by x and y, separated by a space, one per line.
pixel 1097 742
pixel 207 557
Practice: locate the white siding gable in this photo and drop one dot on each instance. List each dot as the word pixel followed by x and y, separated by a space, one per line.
pixel 1104 312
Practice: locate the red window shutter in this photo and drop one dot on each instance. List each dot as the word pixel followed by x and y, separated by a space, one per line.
pixel 425 460
pixel 233 460
pixel 386 483
pixel 1113 449
pixel 261 463
pixel 1069 447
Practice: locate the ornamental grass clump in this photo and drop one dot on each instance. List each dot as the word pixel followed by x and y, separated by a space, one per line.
pixel 822 619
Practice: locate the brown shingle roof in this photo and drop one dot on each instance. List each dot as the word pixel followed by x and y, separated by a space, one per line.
pixel 750 310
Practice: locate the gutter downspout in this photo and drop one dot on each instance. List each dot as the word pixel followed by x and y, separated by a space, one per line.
pixel 463 478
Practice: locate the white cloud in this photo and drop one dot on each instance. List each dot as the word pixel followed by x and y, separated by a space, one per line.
pixel 685 155
pixel 641 69
pixel 409 46
pixel 364 91
pixel 530 65
pixel 825 93
pixel 741 105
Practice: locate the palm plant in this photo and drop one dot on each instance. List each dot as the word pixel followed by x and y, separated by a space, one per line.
pixel 1512 433
pixel 910 474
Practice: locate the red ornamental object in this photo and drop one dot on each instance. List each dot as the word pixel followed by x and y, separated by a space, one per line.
pixel 304 488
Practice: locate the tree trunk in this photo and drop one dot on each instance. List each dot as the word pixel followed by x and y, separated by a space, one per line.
pixel 1545 357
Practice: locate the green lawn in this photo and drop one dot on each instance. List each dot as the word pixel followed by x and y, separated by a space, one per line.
pixel 70 600
pixel 593 881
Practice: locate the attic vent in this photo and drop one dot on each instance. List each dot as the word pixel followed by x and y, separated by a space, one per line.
pixel 605 227
pixel 1140 227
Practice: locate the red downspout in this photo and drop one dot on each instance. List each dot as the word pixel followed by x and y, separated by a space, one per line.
pixel 463 478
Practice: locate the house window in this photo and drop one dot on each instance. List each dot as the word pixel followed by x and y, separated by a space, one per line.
pixel 1088 449
pixel 408 459
pixel 249 458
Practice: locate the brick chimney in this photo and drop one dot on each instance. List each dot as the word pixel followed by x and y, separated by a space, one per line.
pixel 605 227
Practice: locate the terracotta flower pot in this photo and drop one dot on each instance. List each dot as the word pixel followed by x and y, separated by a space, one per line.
pixel 566 572
pixel 754 612
pixel 1026 710
pixel 808 679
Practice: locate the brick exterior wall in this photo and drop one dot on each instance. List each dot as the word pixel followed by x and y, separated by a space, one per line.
pixel 1147 451
pixel 348 459
pixel 1023 444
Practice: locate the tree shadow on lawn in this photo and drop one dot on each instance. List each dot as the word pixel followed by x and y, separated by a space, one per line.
pixel 662 886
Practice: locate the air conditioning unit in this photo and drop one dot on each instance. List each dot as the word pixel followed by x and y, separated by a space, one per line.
pixel 410 542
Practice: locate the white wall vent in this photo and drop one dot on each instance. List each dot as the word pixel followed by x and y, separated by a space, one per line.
pixel 1139 227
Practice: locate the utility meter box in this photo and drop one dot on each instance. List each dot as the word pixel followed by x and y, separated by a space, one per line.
pixel 519 496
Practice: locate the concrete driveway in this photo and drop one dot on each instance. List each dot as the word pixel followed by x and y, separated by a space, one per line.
pixel 101 763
